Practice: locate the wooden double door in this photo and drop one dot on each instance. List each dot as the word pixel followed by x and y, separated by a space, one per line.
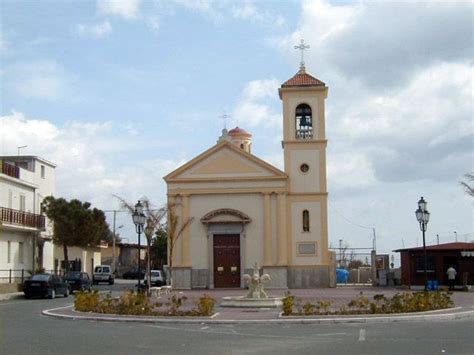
pixel 226 260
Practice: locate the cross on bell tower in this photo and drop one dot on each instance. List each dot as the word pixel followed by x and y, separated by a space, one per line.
pixel 302 46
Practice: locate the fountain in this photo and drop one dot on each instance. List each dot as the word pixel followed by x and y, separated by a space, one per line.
pixel 256 297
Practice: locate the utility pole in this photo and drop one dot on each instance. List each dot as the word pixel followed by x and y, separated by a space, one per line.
pixel 437 238
pixel 340 252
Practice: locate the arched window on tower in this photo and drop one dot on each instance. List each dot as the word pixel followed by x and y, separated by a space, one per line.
pixel 305 221
pixel 304 122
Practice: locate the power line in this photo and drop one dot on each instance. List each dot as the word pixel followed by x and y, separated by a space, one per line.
pixel 347 219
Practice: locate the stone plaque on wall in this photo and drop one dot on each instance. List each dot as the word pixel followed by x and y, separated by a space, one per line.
pixel 307 248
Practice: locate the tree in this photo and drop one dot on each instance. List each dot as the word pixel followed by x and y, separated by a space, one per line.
pixel 467 188
pixel 154 218
pixel 159 250
pixel 153 225
pixel 75 224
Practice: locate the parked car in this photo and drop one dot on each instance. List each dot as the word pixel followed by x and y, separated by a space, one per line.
pixel 133 274
pixel 78 281
pixel 103 273
pixel 45 285
pixel 157 278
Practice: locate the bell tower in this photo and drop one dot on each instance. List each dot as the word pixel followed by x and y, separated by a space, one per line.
pixel 304 144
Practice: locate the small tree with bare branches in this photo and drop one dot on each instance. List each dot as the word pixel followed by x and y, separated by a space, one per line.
pixel 468 188
pixel 154 218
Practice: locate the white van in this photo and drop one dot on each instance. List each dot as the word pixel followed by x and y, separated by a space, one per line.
pixel 103 273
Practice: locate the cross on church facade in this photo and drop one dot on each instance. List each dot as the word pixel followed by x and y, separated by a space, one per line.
pixel 302 46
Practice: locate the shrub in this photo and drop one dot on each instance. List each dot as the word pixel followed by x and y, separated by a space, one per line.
pixel 175 303
pixel 205 305
pixel 322 307
pixel 308 309
pixel 134 304
pixel 288 304
pixel 87 302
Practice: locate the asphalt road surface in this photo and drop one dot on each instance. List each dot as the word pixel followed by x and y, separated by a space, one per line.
pixel 23 330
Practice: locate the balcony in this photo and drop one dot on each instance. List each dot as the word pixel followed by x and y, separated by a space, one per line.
pixel 21 219
pixel 9 169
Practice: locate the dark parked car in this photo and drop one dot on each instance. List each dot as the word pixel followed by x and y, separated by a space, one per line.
pixel 78 281
pixel 45 285
pixel 133 274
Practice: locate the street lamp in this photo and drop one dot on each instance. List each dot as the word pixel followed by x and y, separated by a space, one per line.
pixel 139 219
pixel 423 216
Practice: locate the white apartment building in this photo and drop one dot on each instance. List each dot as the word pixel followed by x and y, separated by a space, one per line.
pixel 26 241
pixel 25 237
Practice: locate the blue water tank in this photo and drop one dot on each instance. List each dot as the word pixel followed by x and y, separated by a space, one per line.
pixel 342 275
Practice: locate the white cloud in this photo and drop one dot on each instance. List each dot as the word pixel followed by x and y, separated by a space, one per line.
pixel 255 107
pixel 94 30
pixel 127 9
pixel 89 158
pixel 39 80
pixel 382 44
pixel 249 12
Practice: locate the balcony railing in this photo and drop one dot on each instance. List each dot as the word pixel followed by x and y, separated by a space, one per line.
pixel 9 169
pixel 20 218
pixel 304 134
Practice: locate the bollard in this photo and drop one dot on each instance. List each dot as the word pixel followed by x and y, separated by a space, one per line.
pixel 10 276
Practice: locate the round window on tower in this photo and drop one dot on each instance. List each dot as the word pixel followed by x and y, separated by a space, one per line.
pixel 304 168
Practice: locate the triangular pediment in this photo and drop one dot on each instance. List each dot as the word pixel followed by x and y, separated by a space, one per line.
pixel 225 161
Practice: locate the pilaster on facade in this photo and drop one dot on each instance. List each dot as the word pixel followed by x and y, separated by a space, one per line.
pixel 267 242
pixel 282 230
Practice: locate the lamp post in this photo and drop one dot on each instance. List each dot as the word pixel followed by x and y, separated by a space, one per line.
pixel 423 216
pixel 139 219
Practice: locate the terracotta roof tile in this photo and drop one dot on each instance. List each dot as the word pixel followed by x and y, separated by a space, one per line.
pixel 302 79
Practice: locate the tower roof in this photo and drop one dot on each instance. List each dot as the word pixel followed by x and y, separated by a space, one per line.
pixel 301 78
pixel 237 131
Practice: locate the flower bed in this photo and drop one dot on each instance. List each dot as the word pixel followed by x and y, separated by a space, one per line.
pixel 132 303
pixel 400 303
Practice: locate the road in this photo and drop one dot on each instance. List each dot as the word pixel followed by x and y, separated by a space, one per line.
pixel 23 330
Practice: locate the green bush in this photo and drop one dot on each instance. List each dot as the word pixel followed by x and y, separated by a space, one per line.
pixel 205 305
pixel 175 303
pixel 288 304
pixel 86 302
pixel 400 303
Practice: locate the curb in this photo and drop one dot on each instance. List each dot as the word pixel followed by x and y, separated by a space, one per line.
pixel 210 320
pixel 11 296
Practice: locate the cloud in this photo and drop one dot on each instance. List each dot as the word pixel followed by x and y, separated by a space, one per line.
pixel 90 159
pixel 127 9
pixel 414 132
pixel 99 30
pixel 248 11
pixel 382 44
pixel 255 106
pixel 42 79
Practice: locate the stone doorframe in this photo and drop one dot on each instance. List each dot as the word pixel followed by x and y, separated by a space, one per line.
pixel 225 221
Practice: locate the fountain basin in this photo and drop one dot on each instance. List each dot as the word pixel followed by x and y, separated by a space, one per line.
pixel 247 302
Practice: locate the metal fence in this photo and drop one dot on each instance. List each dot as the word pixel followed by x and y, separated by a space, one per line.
pixel 20 275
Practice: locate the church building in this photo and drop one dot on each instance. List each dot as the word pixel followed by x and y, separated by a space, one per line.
pixel 246 211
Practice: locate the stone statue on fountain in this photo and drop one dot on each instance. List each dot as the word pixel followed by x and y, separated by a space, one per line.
pixel 256 282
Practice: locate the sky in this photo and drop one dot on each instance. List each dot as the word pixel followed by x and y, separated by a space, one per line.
pixel 120 93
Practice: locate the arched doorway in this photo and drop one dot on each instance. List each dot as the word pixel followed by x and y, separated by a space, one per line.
pixel 226 247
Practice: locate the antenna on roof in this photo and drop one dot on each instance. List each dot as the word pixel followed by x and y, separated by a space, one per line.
pixel 20 147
